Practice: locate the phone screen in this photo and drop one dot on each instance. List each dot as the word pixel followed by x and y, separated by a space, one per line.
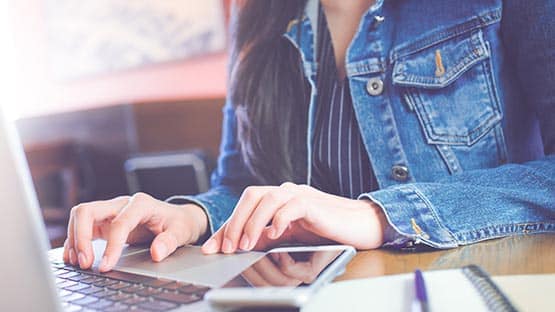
pixel 285 269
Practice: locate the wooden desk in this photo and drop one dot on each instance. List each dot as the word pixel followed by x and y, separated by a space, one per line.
pixel 526 254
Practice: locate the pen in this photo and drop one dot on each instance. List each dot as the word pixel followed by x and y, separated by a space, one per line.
pixel 420 302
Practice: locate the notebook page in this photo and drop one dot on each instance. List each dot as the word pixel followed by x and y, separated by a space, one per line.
pixel 448 290
pixel 528 292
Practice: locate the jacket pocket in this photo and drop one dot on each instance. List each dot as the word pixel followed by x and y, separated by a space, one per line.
pixel 450 87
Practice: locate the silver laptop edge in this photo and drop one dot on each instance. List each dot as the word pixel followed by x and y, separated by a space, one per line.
pixel 26 282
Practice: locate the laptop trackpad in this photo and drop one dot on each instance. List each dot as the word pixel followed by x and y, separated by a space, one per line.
pixel 186 264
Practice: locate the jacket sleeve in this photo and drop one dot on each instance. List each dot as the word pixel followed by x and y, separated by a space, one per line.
pixel 228 180
pixel 507 200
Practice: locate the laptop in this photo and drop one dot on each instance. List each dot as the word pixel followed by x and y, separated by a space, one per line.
pixel 32 278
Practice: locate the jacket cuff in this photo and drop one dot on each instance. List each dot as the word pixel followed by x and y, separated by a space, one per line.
pixel 393 239
pixel 412 216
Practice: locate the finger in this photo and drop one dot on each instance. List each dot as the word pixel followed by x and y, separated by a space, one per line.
pixel 84 217
pixel 137 210
pixel 247 203
pixel 163 245
pixel 265 243
pixel 263 213
pixel 140 235
pixel 65 256
pixel 71 237
pixel 293 210
pixel 71 258
pixel 214 243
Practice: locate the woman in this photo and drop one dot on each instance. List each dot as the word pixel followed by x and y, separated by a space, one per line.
pixel 365 123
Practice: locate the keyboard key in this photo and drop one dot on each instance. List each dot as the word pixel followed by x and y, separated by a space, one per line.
pixel 119 286
pixel 157 305
pixel 68 274
pixel 157 282
pixel 149 291
pixel 177 297
pixel 72 308
pixel 117 308
pixel 61 271
pixel 105 282
pixel 56 264
pixel 194 289
pixel 65 284
pixel 74 296
pixel 100 304
pixel 80 277
pixel 175 285
pixel 135 288
pixel 105 293
pixel 68 267
pixel 90 279
pixel 63 292
pixel 128 277
pixel 135 300
pixel 77 287
pixel 85 300
pixel 91 290
pixel 58 280
pixel 120 297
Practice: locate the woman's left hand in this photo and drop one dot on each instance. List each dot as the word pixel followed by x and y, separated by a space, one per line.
pixel 359 223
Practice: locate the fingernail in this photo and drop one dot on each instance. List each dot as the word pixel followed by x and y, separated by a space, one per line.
pixel 72 257
pixel 82 259
pixel 210 245
pixel 103 267
pixel 162 250
pixel 227 246
pixel 245 242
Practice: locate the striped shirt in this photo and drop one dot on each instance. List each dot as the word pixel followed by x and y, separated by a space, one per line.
pixel 340 161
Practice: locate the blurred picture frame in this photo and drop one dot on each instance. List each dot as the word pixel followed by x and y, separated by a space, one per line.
pixel 103 36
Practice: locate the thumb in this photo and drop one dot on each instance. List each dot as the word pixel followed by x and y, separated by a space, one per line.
pixel 163 245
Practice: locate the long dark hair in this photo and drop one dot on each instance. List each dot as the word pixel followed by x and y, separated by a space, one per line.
pixel 269 91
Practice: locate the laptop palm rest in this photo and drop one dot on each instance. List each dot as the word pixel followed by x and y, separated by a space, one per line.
pixel 186 264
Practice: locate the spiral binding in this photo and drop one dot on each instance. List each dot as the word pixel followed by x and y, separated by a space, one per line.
pixel 495 300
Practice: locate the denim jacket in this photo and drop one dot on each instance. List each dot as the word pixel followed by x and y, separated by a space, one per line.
pixel 456 106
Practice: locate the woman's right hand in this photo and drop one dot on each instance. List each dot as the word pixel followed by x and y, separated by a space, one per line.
pixel 130 219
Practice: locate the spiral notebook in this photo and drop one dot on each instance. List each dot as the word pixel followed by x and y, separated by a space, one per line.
pixel 465 289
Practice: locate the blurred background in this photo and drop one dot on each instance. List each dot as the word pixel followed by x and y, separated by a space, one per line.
pixel 111 97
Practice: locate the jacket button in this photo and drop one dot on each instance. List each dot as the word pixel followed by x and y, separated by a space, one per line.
pixel 378 20
pixel 374 86
pixel 400 173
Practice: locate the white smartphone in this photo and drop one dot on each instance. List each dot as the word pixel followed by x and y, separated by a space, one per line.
pixel 284 277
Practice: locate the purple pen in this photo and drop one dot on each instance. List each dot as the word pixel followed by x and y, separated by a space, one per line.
pixel 420 302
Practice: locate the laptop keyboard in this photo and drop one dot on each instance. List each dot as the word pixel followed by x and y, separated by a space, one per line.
pixel 82 290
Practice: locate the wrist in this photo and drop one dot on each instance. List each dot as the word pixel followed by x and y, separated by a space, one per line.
pixel 199 220
pixel 378 220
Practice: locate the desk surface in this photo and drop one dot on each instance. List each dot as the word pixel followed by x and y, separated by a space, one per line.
pixel 526 254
